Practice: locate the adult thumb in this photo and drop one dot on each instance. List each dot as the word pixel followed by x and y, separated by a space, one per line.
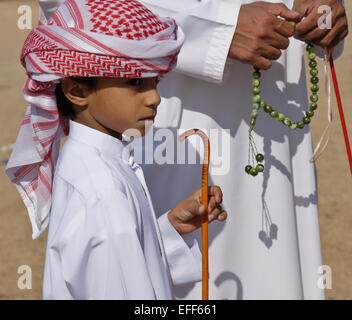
pixel 280 10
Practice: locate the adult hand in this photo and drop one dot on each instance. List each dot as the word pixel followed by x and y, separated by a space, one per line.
pixel 308 29
pixel 260 34
pixel 187 215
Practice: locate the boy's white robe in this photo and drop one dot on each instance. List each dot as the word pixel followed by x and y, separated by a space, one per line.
pixel 104 240
pixel 210 91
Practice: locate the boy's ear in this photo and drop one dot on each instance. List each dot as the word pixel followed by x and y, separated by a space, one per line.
pixel 75 92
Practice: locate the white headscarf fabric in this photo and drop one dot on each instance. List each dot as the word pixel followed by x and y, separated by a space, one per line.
pixel 83 38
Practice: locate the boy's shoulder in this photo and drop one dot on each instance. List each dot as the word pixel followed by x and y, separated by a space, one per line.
pixel 83 167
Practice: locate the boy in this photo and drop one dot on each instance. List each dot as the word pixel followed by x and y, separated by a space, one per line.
pixel 93 71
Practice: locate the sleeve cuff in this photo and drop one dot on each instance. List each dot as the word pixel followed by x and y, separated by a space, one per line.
pixel 182 253
pixel 220 42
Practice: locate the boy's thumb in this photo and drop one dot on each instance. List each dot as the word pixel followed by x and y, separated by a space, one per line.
pixel 202 209
pixel 195 208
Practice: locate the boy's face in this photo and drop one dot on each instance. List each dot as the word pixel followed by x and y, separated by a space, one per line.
pixel 116 105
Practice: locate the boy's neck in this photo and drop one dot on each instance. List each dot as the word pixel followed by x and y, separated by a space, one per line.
pixel 92 123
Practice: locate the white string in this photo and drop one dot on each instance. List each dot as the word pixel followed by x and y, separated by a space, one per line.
pixel 318 151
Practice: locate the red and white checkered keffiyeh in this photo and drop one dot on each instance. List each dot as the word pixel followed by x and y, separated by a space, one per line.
pixel 83 38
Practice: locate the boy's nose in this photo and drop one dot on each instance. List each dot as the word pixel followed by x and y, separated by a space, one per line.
pixel 153 99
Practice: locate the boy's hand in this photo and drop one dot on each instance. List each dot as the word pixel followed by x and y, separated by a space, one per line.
pixel 308 29
pixel 186 216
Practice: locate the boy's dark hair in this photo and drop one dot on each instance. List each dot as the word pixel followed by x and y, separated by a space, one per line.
pixel 64 105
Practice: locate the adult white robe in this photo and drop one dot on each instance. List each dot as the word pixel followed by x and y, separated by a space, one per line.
pixel 210 91
pixel 104 241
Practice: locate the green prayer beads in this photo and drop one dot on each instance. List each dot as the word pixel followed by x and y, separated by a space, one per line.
pixel 259 157
pixel 252 168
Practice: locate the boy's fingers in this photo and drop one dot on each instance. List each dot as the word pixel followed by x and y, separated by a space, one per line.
pixel 217 214
pixel 194 208
pixel 222 216
pixel 196 195
pixel 216 192
pixel 212 204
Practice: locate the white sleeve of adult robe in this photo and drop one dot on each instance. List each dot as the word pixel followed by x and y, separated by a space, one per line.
pixel 209 27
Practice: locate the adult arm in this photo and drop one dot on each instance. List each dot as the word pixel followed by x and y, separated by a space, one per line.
pixel 209 27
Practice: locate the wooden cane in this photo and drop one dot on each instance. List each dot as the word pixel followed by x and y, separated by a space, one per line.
pixel 342 117
pixel 205 170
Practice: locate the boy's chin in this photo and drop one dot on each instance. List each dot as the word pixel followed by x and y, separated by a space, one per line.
pixel 141 131
pixel 147 126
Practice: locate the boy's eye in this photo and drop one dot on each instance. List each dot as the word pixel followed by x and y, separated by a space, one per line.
pixel 138 81
pixel 134 82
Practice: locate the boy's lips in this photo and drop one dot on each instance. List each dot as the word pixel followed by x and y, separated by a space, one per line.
pixel 152 117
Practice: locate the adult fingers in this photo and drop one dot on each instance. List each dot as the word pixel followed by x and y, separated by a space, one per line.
pixel 279 9
pixel 337 40
pixel 278 41
pixel 254 59
pixel 261 63
pixel 269 52
pixel 284 28
pixel 311 22
pixel 313 35
pixel 335 33
pixel 307 24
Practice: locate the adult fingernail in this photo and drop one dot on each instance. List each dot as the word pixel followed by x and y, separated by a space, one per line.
pixel 210 217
